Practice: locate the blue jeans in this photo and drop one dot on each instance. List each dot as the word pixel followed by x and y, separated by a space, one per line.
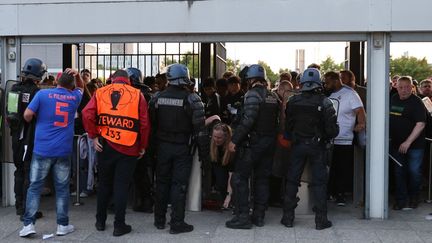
pixel 39 169
pixel 408 177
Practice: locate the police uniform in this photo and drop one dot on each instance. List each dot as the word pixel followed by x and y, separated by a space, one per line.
pixel 254 137
pixel 177 117
pixel 143 187
pixel 311 123
pixel 22 133
pixel 22 141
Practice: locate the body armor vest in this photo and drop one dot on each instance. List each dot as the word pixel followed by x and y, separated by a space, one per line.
pixel 307 112
pixel 174 122
pixel 268 116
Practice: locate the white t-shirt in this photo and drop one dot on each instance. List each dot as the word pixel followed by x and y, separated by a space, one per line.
pixel 349 101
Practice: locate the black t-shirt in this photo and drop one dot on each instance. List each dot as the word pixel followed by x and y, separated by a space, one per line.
pixel 404 114
pixel 235 102
pixel 213 106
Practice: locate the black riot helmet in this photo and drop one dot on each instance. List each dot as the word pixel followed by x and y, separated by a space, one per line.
pixel 256 71
pixel 135 76
pixel 310 79
pixel 34 69
pixel 178 74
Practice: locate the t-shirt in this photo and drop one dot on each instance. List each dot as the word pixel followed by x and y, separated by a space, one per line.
pixel 404 114
pixel 348 101
pixel 55 110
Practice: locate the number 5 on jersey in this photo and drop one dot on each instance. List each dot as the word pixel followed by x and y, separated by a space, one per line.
pixel 61 113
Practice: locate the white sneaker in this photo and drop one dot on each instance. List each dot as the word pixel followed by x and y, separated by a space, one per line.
pixel 429 216
pixel 27 230
pixel 64 230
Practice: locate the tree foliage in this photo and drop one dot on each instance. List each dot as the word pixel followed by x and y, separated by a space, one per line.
pixel 233 65
pixel 188 59
pixel 272 76
pixel 283 70
pixel 418 69
pixel 330 65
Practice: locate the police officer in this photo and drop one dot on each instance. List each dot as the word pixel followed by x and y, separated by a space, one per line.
pixel 310 124
pixel 177 117
pixel 143 201
pixel 22 132
pixel 254 139
pixel 136 80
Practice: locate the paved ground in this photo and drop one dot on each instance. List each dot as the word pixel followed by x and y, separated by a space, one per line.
pixel 403 226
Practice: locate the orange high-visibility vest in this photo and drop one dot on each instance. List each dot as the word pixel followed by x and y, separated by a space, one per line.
pixel 117 110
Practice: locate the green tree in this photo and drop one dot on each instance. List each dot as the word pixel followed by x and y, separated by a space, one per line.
pixel 418 69
pixel 233 65
pixel 100 66
pixel 330 65
pixel 188 59
pixel 270 74
pixel 283 70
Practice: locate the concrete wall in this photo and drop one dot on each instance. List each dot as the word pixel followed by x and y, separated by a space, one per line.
pixel 77 17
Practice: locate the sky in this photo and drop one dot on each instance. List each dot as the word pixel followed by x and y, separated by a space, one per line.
pixel 282 54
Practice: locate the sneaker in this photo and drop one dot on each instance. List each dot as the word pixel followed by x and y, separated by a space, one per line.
pixel 64 230
pixel 340 200
pixel 84 194
pixel 401 206
pixel 406 208
pixel 27 230
pixel 397 206
pixel 429 216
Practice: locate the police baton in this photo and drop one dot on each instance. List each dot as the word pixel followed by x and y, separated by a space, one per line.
pixel 395 160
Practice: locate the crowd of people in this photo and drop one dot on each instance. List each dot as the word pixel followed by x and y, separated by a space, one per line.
pixel 253 140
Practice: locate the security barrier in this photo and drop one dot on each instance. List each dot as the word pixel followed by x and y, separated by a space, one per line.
pixel 77 201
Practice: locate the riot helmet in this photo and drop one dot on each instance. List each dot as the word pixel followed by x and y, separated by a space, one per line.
pixel 34 69
pixel 135 76
pixel 178 74
pixel 310 79
pixel 256 71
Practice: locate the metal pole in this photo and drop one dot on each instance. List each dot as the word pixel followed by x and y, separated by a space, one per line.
pixel 428 200
pixel 77 152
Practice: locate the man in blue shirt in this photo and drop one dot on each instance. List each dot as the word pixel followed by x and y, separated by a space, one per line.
pixel 54 110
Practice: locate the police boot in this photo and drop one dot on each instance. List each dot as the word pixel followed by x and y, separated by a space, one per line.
pixel 321 221
pixel 288 218
pixel 288 211
pixel 258 216
pixel 159 221
pixel 180 227
pixel 241 221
